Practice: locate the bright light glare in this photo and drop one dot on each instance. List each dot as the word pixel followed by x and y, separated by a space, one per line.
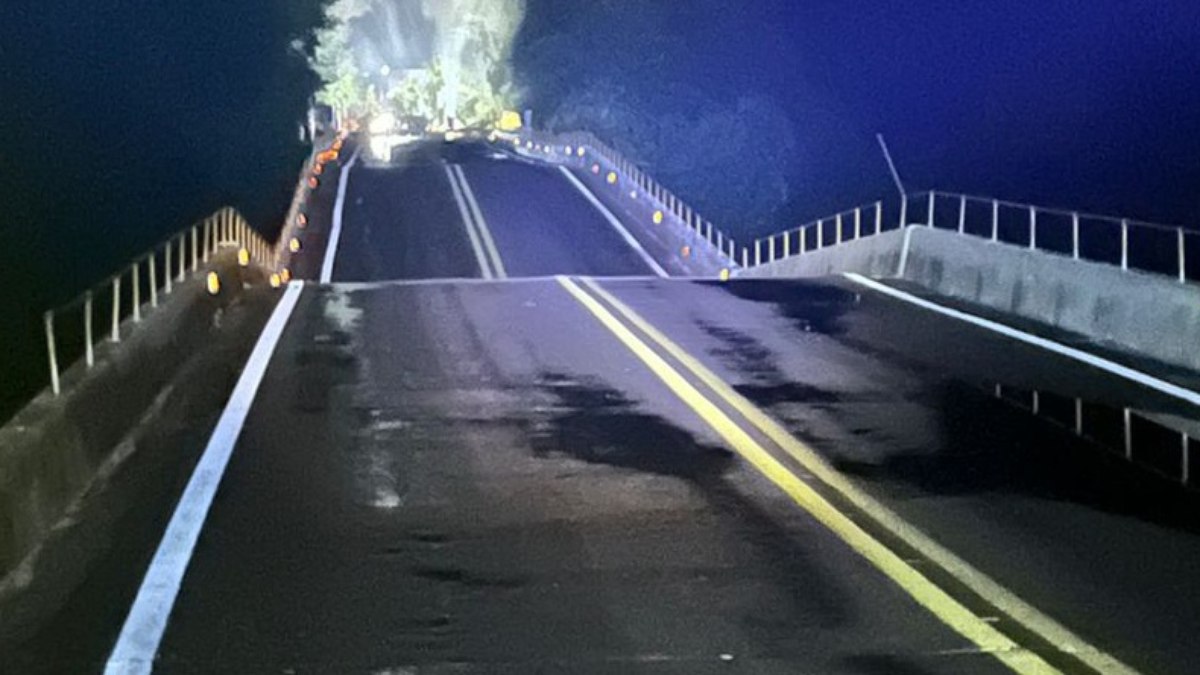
pixel 382 123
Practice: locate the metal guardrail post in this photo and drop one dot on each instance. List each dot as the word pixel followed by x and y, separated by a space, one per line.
pixel 153 280
pixel 838 235
pixel 1182 258
pixel 1033 228
pixel 89 351
pixel 962 214
pixel 1075 236
pixel 758 251
pixel 137 293
pixel 207 234
pixel 745 257
pixel 787 243
pixel 1125 244
pixel 182 239
pixel 771 248
pixel 195 248
pixel 903 211
pixel 115 335
pixel 708 230
pixel 720 241
pixel 1078 417
pixel 878 217
pixel 48 318
pixel 820 233
pixel 932 204
pixel 995 220
pixel 858 222
pixel 803 232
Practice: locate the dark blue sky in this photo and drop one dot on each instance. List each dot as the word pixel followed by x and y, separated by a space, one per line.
pixel 1089 104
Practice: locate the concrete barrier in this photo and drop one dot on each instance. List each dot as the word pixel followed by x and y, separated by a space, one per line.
pixel 51 450
pixel 1139 313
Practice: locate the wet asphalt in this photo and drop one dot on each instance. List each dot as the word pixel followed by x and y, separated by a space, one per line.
pixel 454 476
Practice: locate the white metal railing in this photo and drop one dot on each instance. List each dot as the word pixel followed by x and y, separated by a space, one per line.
pixel 580 148
pixel 1124 242
pixel 848 225
pixel 125 298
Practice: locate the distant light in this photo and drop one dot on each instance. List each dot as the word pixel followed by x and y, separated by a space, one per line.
pixel 243 257
pixel 213 283
pixel 385 70
pixel 294 245
pixel 382 123
pixel 612 178
pixel 658 217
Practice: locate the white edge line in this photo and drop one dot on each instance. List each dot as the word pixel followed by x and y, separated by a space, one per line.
pixel 469 223
pixel 335 231
pixel 612 220
pixel 147 619
pixel 480 222
pixel 1070 352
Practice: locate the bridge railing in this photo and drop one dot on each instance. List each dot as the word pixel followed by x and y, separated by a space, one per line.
pixel 1125 242
pixel 565 148
pixel 116 306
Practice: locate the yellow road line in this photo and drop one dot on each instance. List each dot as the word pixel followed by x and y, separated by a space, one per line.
pixel 921 589
pixel 990 590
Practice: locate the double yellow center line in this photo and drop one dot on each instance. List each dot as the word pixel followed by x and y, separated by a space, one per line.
pixel 716 402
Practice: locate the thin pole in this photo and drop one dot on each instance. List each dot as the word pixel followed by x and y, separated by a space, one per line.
pixel 48 317
pixel 1075 236
pixel 167 268
pixel 137 293
pixel 932 203
pixel 1182 259
pixel 153 280
pixel 1125 244
pixel 820 233
pixel 962 214
pixel 995 220
pixel 771 248
pixel 858 223
pixel 787 243
pixel 196 247
pixel 89 352
pixel 878 217
pixel 1078 417
pixel 208 234
pixel 1128 435
pixel 838 236
pixel 182 255
pixel 903 211
pixel 887 155
pixel 1033 227
pixel 116 309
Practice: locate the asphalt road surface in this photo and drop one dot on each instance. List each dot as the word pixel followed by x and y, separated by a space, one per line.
pixel 453 474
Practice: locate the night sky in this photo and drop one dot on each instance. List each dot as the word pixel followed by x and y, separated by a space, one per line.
pixel 121 122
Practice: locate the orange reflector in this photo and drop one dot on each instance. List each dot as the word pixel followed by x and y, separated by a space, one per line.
pixel 275 281
pixel 724 274
pixel 243 257
pixel 318 169
pixel 213 283
pixel 285 275
pixel 302 220
pixel 612 177
pixel 596 168
pixel 658 217
pixel 294 245
pixel 312 182
pixel 686 251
